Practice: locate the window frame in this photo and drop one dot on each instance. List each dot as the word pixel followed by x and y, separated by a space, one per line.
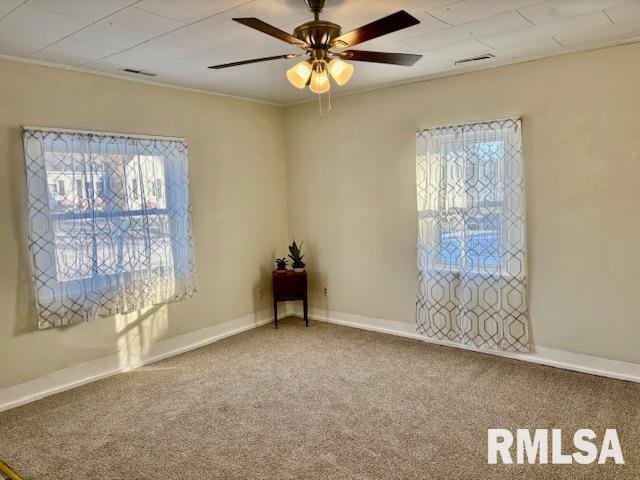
pixel 437 264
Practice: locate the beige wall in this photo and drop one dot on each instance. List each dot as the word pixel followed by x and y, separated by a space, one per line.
pixel 237 173
pixel 353 199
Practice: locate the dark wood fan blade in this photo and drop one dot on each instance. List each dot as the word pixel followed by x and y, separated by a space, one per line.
pixel 406 59
pixel 389 24
pixel 255 60
pixel 271 30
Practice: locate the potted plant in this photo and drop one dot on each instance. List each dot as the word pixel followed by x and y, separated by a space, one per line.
pixel 295 254
pixel 281 264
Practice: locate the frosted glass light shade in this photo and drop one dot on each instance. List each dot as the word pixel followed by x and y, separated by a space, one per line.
pixel 340 71
pixel 319 81
pixel 299 74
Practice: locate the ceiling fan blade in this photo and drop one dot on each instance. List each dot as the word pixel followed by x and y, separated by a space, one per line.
pixel 389 24
pixel 407 59
pixel 255 60
pixel 271 30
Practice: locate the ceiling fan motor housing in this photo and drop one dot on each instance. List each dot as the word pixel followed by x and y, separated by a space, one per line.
pixel 318 33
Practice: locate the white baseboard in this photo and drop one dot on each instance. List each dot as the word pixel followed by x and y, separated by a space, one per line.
pixel 83 373
pixel 578 362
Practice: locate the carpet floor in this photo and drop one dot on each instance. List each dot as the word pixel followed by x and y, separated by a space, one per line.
pixel 326 402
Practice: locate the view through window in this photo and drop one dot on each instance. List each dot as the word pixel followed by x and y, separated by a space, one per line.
pixel 109 223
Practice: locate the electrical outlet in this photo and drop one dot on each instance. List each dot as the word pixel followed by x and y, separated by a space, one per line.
pixel 260 292
pixel 326 291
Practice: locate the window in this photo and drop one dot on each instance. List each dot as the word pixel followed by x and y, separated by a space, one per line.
pixel 108 245
pixel 471 248
pixel 462 204
pixel 470 210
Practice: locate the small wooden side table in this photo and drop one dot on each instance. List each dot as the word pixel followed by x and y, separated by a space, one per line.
pixel 289 286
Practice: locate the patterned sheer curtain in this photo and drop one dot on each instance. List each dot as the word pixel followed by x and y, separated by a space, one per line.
pixel 109 223
pixel 472 265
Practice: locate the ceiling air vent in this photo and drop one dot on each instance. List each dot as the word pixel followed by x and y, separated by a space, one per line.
pixel 462 61
pixel 138 72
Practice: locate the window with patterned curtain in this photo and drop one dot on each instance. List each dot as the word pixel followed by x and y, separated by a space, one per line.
pixel 472 263
pixel 109 223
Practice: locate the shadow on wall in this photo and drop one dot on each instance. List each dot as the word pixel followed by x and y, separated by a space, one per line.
pixel 264 282
pixel 25 303
pixel 317 279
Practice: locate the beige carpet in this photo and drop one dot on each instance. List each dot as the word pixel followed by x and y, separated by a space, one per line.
pixel 326 402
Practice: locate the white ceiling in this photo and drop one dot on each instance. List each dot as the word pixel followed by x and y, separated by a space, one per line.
pixel 177 40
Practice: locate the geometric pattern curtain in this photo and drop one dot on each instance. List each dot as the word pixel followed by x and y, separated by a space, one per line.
pixel 109 223
pixel 472 263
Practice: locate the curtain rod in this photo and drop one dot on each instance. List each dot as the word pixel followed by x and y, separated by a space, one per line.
pixel 106 134
pixel 475 122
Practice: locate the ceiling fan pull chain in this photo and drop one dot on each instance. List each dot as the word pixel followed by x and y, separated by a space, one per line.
pixel 320 105
pixel 329 105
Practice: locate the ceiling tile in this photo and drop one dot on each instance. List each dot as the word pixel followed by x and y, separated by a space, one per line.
pixel 145 56
pixel 363 12
pixel 529 48
pixel 15 47
pixel 6 6
pixel 431 4
pixel 174 71
pixel 71 51
pixel 91 10
pixel 235 51
pixel 188 12
pixel 577 29
pixel 469 10
pixel 388 44
pixel 102 66
pixel 514 37
pixel 554 10
pixel 455 52
pixel 625 14
pixel 209 33
pixel 366 11
pixel 127 28
pixel 567 29
pixel 502 22
pixel 279 13
pixel 27 29
pixel 346 24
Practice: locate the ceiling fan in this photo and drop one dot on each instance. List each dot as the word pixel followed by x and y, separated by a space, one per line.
pixel 324 44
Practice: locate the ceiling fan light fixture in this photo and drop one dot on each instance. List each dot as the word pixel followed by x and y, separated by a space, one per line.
pixel 299 74
pixel 340 71
pixel 319 80
pixel 319 41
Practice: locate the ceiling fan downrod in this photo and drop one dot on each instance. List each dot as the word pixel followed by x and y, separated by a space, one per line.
pixel 316 7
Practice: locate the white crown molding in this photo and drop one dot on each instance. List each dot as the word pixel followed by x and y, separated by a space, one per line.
pixel 89 71
pixel 83 373
pixel 577 362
